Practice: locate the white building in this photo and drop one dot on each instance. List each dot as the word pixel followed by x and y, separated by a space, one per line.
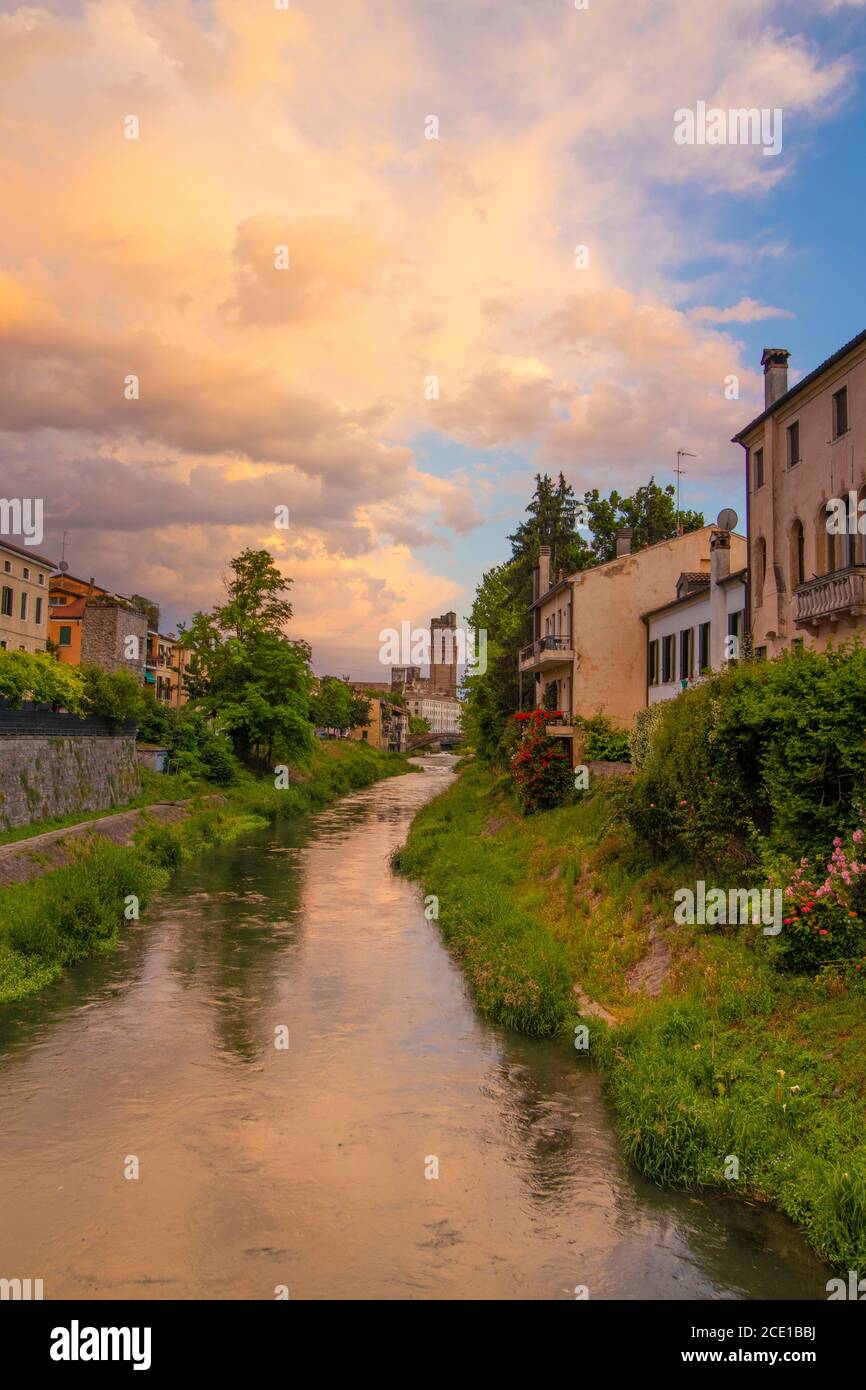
pixel 441 713
pixel 688 637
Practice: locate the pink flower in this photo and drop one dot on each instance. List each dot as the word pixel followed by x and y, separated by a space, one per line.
pixel 857 836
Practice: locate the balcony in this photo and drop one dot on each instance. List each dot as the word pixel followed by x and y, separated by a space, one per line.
pixel 547 652
pixel 833 596
pixel 561 727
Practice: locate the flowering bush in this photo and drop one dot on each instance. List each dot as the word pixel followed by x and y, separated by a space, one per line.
pixel 541 766
pixel 824 917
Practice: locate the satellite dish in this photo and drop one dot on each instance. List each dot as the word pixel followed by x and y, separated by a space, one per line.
pixel 63 566
pixel 727 519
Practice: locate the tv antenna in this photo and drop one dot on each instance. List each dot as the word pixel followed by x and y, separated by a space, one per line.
pixel 63 566
pixel 681 454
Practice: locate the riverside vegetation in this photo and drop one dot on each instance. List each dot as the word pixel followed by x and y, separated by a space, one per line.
pixel 742 1066
pixel 75 911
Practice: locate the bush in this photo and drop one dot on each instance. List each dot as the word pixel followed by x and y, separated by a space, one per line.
pixel 39 677
pixel 646 722
pixel 113 695
pixel 763 750
pixel 825 909
pixel 604 743
pixel 541 768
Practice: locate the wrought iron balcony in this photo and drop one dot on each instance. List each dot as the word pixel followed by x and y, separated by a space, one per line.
pixel 832 596
pixel 547 651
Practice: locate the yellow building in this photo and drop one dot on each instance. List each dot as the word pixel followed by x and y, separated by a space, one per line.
pixel 24 595
pixel 590 638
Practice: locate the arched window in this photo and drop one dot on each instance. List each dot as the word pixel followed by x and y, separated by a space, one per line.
pixel 798 554
pixel 760 570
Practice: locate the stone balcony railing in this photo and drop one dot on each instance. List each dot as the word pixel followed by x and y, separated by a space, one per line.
pixel 547 651
pixel 832 596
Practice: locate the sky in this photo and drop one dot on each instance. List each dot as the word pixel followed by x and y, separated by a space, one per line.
pixel 336 245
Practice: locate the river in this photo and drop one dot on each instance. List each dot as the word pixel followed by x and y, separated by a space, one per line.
pixel 263 1168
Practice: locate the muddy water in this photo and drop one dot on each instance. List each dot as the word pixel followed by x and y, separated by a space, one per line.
pixel 305 1167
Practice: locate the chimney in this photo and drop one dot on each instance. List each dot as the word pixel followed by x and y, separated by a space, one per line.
pixel 623 541
pixel 775 364
pixel 543 570
pixel 720 556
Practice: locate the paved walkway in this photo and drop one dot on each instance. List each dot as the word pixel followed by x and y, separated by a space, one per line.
pixel 24 860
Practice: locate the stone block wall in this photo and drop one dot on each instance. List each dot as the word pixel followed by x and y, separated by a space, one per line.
pixel 42 777
pixel 104 630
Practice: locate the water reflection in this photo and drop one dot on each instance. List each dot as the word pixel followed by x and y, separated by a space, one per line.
pixel 307 1166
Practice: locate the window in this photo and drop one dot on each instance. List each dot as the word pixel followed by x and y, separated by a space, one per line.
pixel 23 609
pixel 65 638
pixel 840 412
pixel 26 572
pixel 42 579
pixel 668 658
pixel 760 569
pixel 794 444
pixel 761 653
pixel 6 602
pixel 798 554
pixel 653 663
pixel 58 600
pixel 38 617
pixel 7 566
pixel 686 649
pixel 703 648
pixel 758 469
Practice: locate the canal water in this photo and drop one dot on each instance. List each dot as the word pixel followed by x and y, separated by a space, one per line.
pixel 305 1167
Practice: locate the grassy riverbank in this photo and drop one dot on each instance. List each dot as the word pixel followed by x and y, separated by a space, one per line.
pixel 732 1060
pixel 74 911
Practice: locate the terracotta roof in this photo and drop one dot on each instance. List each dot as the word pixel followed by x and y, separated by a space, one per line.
pixel 75 609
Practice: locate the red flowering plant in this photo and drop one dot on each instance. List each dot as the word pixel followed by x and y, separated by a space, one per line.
pixel 541 766
pixel 824 908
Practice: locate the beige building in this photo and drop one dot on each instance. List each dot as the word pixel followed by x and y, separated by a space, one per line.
pixel 807 447
pixel 443 714
pixel 24 580
pixel 590 639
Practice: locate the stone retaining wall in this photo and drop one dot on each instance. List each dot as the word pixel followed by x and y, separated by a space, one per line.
pixel 42 777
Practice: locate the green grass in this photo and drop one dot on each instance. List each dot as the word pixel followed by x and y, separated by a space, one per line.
pixel 78 910
pixel 734 1060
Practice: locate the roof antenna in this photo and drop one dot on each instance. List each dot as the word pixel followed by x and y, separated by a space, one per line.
pixel 681 454
pixel 63 566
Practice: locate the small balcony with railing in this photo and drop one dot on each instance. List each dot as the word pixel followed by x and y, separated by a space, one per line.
pixel 831 597
pixel 553 650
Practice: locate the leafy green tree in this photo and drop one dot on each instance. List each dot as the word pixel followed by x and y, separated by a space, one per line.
pixel 114 695
pixel 417 725
pixel 245 673
pixel 41 678
pixel 331 707
pixel 650 512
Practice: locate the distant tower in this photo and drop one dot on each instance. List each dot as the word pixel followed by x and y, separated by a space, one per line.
pixel 443 654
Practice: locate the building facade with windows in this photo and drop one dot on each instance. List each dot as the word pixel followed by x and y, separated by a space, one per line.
pixel 24 590
pixel 691 636
pixel 805 449
pixel 443 714
pixel 590 641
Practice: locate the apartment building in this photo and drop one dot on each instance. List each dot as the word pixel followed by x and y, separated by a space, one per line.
pixel 444 715
pixel 703 627
pixel 24 591
pixel 590 639
pixel 806 449
pixel 163 668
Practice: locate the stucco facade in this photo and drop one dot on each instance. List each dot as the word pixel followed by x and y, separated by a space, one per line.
pixel 807 446
pixel 24 591
pixel 590 637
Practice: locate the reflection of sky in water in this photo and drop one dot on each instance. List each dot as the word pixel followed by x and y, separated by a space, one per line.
pixel 306 1166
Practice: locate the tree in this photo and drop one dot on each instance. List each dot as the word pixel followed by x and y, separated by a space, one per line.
pixel 244 673
pixel 331 705
pixel 417 725
pixel 650 512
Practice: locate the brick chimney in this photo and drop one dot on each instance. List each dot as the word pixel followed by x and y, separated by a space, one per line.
pixel 543 570
pixel 775 364
pixel 623 541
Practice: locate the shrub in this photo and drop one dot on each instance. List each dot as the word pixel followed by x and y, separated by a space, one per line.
pixel 646 721
pixel 825 910
pixel 604 743
pixel 541 768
